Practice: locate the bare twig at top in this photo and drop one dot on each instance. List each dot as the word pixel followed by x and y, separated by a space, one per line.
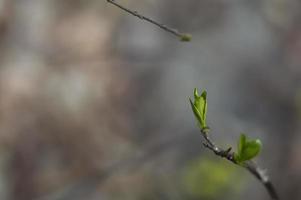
pixel 182 36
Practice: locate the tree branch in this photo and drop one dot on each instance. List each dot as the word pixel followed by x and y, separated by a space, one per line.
pixel 252 167
pixel 183 36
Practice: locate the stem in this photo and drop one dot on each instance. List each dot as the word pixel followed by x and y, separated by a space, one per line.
pixel 252 167
pixel 261 175
pixel 183 36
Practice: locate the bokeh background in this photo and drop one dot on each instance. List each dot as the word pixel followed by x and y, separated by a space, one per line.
pixel 94 102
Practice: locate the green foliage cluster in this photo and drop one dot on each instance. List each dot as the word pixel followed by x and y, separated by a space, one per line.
pixel 247 149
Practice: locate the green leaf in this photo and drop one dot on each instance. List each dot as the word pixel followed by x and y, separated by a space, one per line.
pixel 252 149
pixel 195 111
pixel 241 143
pixel 196 94
pixel 204 106
pixel 247 149
pixel 199 107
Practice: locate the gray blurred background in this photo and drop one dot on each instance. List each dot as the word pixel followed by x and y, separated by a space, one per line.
pixel 94 102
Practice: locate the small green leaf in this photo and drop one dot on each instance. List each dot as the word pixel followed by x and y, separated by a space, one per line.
pixel 247 149
pixel 195 111
pixel 204 106
pixel 199 107
pixel 241 143
pixel 196 94
pixel 252 149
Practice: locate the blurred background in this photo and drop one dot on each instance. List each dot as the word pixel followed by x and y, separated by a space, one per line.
pixel 94 102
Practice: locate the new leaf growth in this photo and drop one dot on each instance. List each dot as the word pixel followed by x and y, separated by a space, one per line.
pixel 247 149
pixel 199 108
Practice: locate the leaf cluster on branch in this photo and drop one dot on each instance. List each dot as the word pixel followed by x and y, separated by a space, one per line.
pixel 247 149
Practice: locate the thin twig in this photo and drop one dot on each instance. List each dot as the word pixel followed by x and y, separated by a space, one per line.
pixel 183 36
pixel 261 175
pixel 252 167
